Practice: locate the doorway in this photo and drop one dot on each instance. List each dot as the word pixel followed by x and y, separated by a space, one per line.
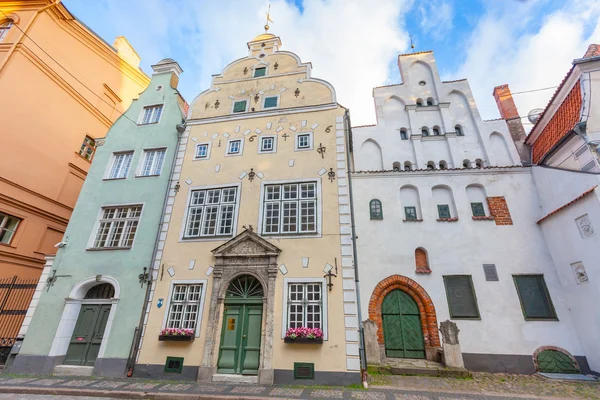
pixel 402 331
pixel 239 350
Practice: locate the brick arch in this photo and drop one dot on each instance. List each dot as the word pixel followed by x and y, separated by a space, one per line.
pixel 429 323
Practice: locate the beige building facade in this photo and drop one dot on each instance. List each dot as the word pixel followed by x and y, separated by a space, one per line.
pixel 256 237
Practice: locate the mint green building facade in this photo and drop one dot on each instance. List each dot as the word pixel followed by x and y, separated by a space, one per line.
pixel 89 301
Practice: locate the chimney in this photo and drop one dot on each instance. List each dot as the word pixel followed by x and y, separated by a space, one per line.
pixel 126 51
pixel 592 51
pixel 168 65
pixel 508 112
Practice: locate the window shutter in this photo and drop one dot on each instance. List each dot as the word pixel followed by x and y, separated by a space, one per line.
pixel 490 272
pixel 534 297
pixel 461 297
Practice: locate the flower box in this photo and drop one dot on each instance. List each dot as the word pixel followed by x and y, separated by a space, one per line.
pixel 176 338
pixel 303 340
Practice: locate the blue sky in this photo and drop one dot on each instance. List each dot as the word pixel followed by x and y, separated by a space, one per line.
pixel 354 44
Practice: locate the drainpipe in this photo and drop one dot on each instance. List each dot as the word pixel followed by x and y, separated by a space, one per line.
pixel 24 32
pixel 136 340
pixel 361 339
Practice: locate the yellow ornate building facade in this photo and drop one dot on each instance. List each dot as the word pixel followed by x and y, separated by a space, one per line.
pixel 256 239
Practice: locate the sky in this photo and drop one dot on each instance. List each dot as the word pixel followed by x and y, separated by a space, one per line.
pixel 354 44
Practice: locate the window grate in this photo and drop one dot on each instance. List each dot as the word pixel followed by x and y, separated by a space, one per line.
pixel 491 274
pixel 174 365
pixel 304 370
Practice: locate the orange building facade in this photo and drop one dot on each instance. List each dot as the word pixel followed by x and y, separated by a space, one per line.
pixel 62 88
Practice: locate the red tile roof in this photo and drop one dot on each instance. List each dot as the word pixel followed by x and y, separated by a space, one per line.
pixel 575 200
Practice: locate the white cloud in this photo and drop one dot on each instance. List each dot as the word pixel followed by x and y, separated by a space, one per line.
pixel 436 18
pixel 502 51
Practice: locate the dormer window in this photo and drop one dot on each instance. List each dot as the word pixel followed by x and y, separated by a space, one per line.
pixel 240 106
pixel 403 134
pixel 258 72
pixel 424 131
pixel 436 132
pixel 458 130
pixel 419 103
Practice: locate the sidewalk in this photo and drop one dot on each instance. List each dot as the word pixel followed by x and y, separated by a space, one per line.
pixel 482 386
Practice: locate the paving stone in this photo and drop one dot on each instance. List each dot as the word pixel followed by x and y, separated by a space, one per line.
pixel 77 383
pixel 109 385
pixel 286 392
pixel 18 381
pixel 210 388
pixel 141 386
pixel 329 394
pixel 368 395
pixel 176 388
pixel 248 389
pixel 47 382
pixel 401 396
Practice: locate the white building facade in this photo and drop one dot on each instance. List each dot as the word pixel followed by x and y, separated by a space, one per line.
pixel 446 219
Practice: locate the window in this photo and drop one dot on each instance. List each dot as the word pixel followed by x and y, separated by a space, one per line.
pixel 458 130
pixel 120 165
pixel 436 132
pixel 8 227
pixel 174 365
pixel 88 147
pixel 430 101
pixel 270 102
pixel 153 162
pixel 235 147
pixel 4 28
pixel 184 306
pixel 443 164
pixel 304 370
pixel 534 297
pixel 431 165
pixel 258 72
pixel 117 227
pixel 290 208
pixel 202 151
pixel 425 132
pixel 240 106
pixel 479 163
pixel 268 144
pixel 211 212
pixel 151 115
pixel 419 103
pixel 396 166
pixel 305 305
pixel 376 209
pixel 410 213
pixel 443 210
pixel 403 134
pixel 407 166
pixel 478 209
pixel 304 141
pixel 461 297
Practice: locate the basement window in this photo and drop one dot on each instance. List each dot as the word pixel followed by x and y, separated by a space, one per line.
pixel 304 371
pixel 174 365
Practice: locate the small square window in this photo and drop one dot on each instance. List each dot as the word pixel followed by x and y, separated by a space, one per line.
pixel 444 210
pixel 258 72
pixel 303 141
pixel 478 210
pixel 240 106
pixel 202 150
pixel 267 144
pixel 270 102
pixel 410 213
pixel 174 365
pixel 304 370
pixel 235 147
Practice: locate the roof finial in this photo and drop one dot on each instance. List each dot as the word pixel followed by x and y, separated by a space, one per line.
pixel 412 45
pixel 268 19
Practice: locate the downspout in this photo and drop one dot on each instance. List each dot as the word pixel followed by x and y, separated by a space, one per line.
pixel 361 338
pixel 136 340
pixel 24 32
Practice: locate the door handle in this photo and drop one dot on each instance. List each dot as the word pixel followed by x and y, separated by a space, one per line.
pixel 244 336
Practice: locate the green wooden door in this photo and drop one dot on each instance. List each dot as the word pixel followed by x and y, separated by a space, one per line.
pixel 402 333
pixel 87 335
pixel 239 351
pixel 553 361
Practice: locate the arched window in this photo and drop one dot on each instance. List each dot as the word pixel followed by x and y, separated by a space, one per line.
pixel 430 101
pixel 396 166
pixel 430 165
pixel 425 131
pixel 410 201
pixel 375 209
pixel 422 261
pixel 420 102
pixel 403 134
pixel 101 291
pixel 443 164
pixel 444 201
pixel 478 200
pixel 436 131
pixel 458 130
pixel 407 166
pixel 466 163
pixel 4 28
pixel 479 163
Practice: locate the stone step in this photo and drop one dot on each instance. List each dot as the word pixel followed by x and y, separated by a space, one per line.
pixel 73 370
pixel 231 378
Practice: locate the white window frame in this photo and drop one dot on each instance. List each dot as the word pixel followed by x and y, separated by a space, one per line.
pixel 208 149
pixel 296 138
pixel 291 235
pixel 260 140
pixel 324 291
pixel 92 239
pixel 241 140
pixel 112 161
pixel 204 283
pixel 142 161
pixel 238 100
pixel 182 237
pixel 260 66
pixel 264 99
pixel 141 117
pixel 3 221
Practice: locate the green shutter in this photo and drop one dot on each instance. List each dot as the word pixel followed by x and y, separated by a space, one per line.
pixel 239 106
pixel 410 213
pixel 534 297
pixel 461 296
pixel 258 72
pixel 556 362
pixel 478 210
pixel 270 102
pixel 444 210
pixel 174 365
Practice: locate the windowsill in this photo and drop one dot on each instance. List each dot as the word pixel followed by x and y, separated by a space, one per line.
pixel 147 176
pixel 290 235
pixel 107 248
pixel 267 152
pixel 8 245
pixel 447 219
pixel 303 149
pixel 233 154
pixel 83 158
pixel 427 108
pixel 200 158
pixel 412 220
pixel 376 218
pixel 114 179
pixel 486 218
pixel 205 238
pixel 541 319
pixel 467 318
pixel 149 123
pixel 423 271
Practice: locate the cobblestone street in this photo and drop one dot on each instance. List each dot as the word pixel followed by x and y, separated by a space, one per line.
pixel 481 386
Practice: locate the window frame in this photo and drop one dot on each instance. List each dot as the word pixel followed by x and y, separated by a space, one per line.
pixel 287 235
pixel 5 28
pixel 260 140
pixel 264 100
pixel 204 283
pixel 262 67
pixel 110 165
pixel 182 234
pixel 4 217
pixel 95 230
pixel 450 312
pixel 440 213
pixel 239 153
pixel 142 161
pixel 403 134
pixel 459 131
pixel 324 294
pixel 546 293
pixel 208 150
pixel 372 215
pixel 482 209
pixel 86 145
pixel 310 139
pixel 239 101
pixel 143 112
pixel 416 218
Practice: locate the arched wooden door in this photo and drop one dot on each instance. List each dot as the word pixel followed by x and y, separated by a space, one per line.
pixel 402 332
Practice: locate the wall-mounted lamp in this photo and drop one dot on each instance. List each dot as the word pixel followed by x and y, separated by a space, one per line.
pixel 144 277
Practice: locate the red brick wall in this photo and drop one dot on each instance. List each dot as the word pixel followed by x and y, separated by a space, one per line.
pixel 499 210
